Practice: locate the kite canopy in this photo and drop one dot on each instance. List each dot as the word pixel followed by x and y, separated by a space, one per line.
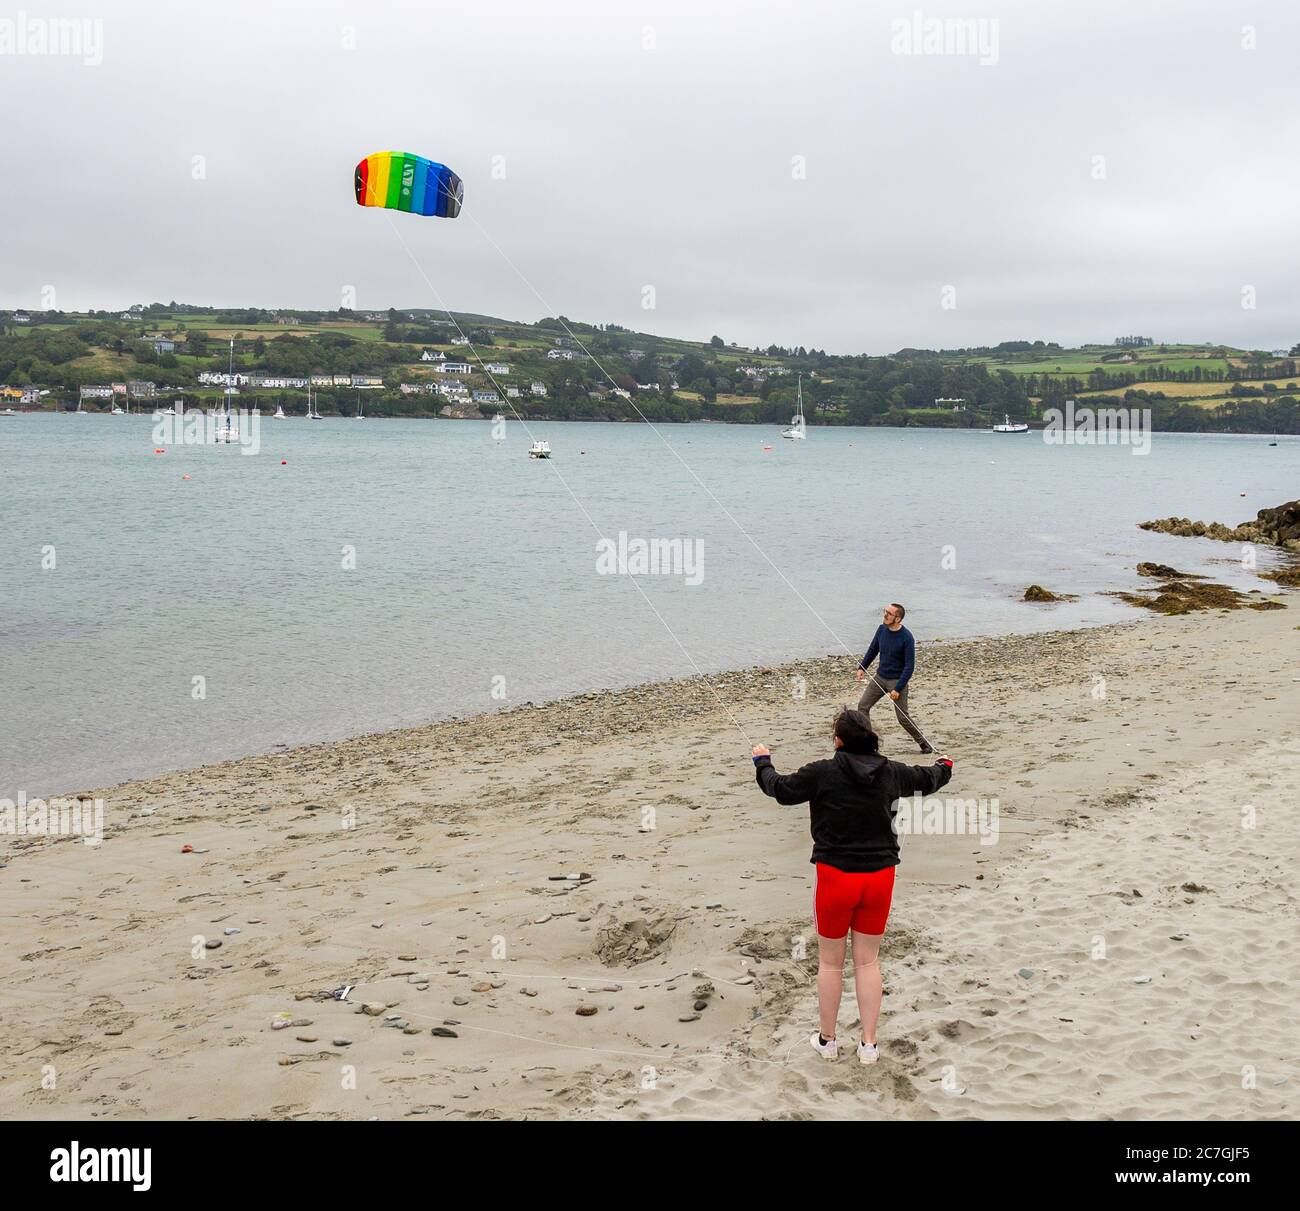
pixel 397 180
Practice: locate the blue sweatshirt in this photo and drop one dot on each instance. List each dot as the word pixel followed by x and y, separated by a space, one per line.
pixel 897 652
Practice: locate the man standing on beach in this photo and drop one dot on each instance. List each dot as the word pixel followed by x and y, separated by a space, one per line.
pixel 894 644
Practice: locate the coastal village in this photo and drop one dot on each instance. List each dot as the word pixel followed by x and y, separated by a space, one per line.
pixel 458 366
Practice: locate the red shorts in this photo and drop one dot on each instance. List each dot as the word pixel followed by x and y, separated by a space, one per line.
pixel 859 898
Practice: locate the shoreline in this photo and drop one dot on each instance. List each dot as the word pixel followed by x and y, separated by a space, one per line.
pixel 637 420
pixel 690 694
pixel 491 876
pixel 817 668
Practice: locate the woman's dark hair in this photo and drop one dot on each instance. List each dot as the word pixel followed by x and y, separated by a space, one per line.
pixel 854 730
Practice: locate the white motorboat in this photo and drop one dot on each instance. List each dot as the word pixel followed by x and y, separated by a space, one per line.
pixel 1010 426
pixel 540 449
pixel 796 431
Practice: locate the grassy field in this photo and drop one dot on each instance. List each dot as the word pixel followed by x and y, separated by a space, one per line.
pixel 108 366
pixel 1196 390
pixel 1079 366
pixel 223 331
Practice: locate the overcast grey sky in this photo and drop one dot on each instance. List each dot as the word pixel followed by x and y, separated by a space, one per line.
pixel 777 172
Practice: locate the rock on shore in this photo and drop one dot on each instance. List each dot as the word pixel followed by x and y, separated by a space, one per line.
pixel 1279 527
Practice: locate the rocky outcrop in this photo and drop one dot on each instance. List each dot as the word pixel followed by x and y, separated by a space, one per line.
pixel 460 411
pixel 1287 577
pixel 1036 592
pixel 1186 597
pixel 1279 527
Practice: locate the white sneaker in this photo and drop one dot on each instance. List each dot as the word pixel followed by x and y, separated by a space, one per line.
pixel 868 1053
pixel 830 1050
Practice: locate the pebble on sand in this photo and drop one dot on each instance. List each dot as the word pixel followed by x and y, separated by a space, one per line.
pixel 585 1011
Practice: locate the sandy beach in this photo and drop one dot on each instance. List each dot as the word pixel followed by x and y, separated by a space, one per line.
pixel 602 916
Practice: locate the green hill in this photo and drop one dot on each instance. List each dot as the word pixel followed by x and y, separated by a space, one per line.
pixel 564 369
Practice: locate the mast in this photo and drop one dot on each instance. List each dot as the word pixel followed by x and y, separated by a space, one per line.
pixel 230 378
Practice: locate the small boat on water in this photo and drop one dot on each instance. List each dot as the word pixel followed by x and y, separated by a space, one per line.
pixel 1010 426
pixel 279 412
pixel 116 411
pixel 796 431
pixel 229 432
pixel 360 415
pixel 540 449
pixel 312 414
pixel 7 412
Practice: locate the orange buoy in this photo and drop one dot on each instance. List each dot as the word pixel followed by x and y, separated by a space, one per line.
pixel 159 450
pixel 284 462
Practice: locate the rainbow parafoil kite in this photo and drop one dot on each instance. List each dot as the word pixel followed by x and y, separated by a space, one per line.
pixel 397 180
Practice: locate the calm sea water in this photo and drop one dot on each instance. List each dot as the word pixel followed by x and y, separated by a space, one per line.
pixel 474 564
